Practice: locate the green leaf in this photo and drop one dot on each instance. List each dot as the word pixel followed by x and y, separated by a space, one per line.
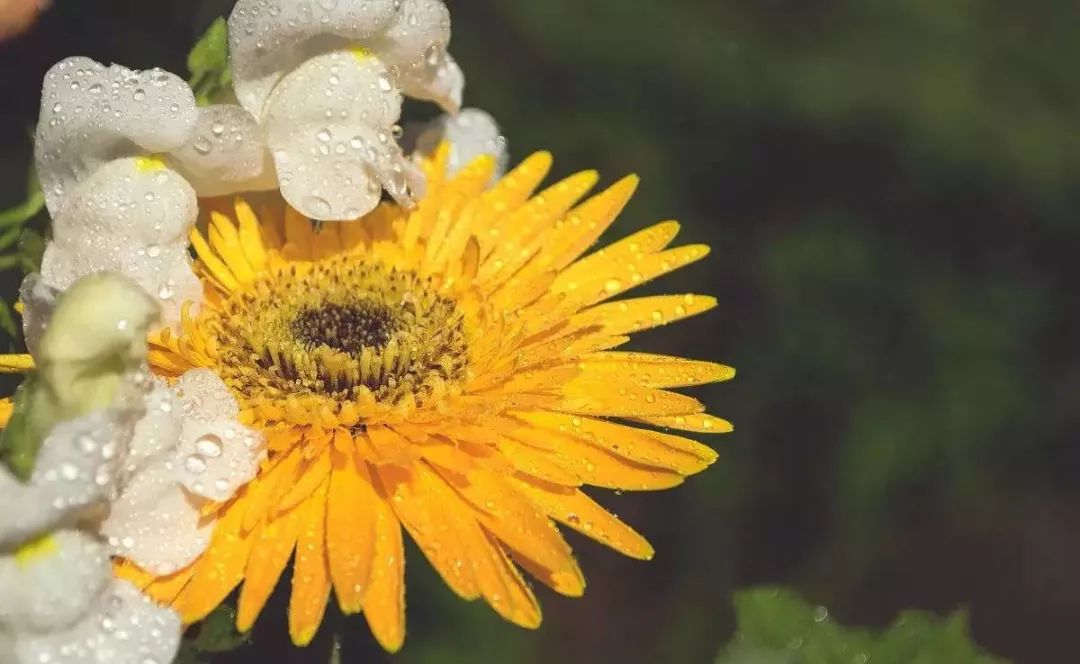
pixel 189 655
pixel 19 442
pixel 218 632
pixel 7 321
pixel 208 63
pixel 777 627
pixel 23 212
pixel 31 250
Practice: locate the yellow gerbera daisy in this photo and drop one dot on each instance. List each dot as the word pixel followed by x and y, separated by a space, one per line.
pixel 448 370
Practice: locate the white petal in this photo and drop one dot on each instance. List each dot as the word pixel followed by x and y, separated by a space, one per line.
pixel 471 133
pixel 269 38
pixel 415 47
pixel 51 584
pixel 124 628
pixel 131 216
pixel 91 114
pixel 205 397
pixel 38 300
pixel 218 458
pixel 442 83
pixel 75 470
pixel 217 455
pixel 328 124
pixel 156 523
pixel 226 153
pixel 157 433
pixel 136 200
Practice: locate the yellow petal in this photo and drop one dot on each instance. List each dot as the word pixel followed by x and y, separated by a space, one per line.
pixel 414 495
pixel 588 396
pixel 643 313
pixel 575 509
pixel 350 530
pixel 646 447
pixel 384 600
pixel 220 568
pixel 16 363
pixel 311 576
pixel 270 550
pixel 517 522
pixel 698 423
pixel 599 468
pixel 652 370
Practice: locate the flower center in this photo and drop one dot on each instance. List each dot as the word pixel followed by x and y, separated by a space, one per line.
pixel 347 328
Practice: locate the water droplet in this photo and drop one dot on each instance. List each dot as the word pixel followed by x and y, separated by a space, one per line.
pixel 153 251
pixel 69 471
pixel 203 145
pixel 316 206
pixel 209 446
pixel 218 129
pixel 194 464
pixel 140 94
pixel 384 82
pixel 87 443
pixel 612 285
pixel 323 135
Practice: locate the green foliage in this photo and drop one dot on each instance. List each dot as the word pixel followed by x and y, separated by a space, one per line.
pixel 208 63
pixel 19 441
pixel 777 627
pixel 217 633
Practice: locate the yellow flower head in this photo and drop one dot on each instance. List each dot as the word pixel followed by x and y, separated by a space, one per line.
pixel 447 369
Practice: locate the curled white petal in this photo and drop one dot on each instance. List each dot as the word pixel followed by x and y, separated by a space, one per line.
pixel 414 47
pixel 156 523
pixel 50 584
pixel 131 216
pixel 328 124
pixel 91 114
pixel 124 627
pixel 197 451
pixel 442 82
pixel 225 153
pixel 269 38
pixel 471 133
pixel 75 471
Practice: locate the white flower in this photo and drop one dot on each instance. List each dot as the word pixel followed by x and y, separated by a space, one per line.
pixel 115 150
pixel 469 134
pixel 125 466
pixel 188 451
pixel 325 81
pixel 58 600
pixel 59 604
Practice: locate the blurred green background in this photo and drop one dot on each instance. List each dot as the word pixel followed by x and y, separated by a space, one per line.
pixel 890 191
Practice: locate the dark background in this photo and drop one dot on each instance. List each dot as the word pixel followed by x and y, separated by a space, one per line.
pixel 889 189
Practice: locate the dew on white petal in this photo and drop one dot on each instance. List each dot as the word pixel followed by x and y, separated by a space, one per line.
pixel 209 446
pixel 195 464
